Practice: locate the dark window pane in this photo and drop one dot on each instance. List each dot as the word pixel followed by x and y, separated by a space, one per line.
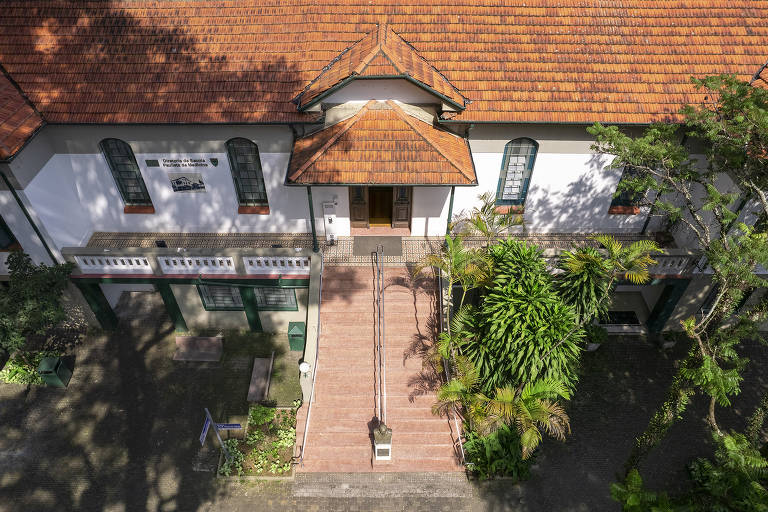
pixel 246 172
pixel 221 297
pixel 126 172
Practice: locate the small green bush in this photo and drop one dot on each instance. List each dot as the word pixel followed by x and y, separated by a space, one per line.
pixel 21 368
pixel 595 333
pixel 497 454
pixel 235 462
pixel 260 415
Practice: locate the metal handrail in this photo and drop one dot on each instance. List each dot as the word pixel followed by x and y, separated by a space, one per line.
pixel 314 369
pixel 381 340
pixel 445 325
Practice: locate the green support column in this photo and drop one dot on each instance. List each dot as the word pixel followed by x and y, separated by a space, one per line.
pixel 99 304
pixel 315 245
pixel 172 307
pixel 450 212
pixel 251 310
pixel 665 306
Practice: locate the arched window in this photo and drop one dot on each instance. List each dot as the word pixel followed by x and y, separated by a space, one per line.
pixel 516 169
pixel 246 172
pixel 126 172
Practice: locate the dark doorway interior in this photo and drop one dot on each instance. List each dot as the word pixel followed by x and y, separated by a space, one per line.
pixel 380 206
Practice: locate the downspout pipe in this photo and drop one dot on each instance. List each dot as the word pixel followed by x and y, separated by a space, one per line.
pixel 29 219
pixel 450 212
pixel 315 245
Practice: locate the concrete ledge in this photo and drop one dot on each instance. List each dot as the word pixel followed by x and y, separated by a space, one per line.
pixel 260 377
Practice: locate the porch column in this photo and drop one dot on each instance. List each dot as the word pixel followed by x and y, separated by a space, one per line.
pixel 665 306
pixel 315 245
pixel 249 305
pixel 450 212
pixel 172 307
pixel 99 304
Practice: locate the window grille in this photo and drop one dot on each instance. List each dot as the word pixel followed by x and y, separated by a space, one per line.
pixel 126 172
pixel 516 171
pixel 246 172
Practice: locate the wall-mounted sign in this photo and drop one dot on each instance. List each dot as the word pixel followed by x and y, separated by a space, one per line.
pixel 177 162
pixel 186 181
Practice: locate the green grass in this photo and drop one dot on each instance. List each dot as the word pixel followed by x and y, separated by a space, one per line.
pixel 284 385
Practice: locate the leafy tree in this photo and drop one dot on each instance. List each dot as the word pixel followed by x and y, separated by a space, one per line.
pixel 521 320
pixel 730 129
pixel 31 303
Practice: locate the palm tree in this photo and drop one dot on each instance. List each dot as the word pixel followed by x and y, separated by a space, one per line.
pixel 531 410
pixel 461 394
pixel 486 221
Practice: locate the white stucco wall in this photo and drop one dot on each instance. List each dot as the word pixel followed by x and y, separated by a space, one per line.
pixel 82 186
pixel 17 222
pixel 387 89
pixel 570 190
pixel 429 211
pixel 337 195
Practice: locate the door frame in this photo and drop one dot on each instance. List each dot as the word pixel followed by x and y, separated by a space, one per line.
pixel 359 206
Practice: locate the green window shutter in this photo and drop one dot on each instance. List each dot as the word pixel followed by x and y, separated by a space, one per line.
pixel 276 299
pixel 245 164
pixel 516 171
pixel 220 298
pixel 126 172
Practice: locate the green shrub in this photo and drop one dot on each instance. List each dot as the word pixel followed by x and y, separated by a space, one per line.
pixel 21 368
pixel 260 415
pixel 497 454
pixel 254 437
pixel 595 333
pixel 235 462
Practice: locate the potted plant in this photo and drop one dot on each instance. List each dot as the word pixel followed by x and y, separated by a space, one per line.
pixel 595 336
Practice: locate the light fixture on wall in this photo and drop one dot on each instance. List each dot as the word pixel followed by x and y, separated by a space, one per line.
pixel 304 368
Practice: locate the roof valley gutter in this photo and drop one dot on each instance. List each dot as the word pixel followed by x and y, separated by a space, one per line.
pixel 29 218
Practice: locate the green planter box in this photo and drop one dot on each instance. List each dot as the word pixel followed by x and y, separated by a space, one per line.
pixel 297 335
pixel 54 372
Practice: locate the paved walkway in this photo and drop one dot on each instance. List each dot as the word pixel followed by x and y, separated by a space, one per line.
pixel 344 412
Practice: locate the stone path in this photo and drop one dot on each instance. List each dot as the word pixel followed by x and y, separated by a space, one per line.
pixel 345 408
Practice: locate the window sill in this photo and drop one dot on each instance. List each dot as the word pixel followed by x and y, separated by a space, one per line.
pixel 255 210
pixel 139 209
pixel 507 209
pixel 623 210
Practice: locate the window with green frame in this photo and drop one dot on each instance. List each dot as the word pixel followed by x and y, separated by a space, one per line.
pixel 228 298
pixel 220 298
pixel 516 171
pixel 276 299
pixel 7 240
pixel 126 172
pixel 627 198
pixel 245 165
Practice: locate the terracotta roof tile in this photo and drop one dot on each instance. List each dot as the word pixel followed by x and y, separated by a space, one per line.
pixel 380 53
pixel 382 145
pixel 242 61
pixel 18 120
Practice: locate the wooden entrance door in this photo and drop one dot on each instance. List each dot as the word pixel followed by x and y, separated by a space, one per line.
pixel 358 207
pixel 380 206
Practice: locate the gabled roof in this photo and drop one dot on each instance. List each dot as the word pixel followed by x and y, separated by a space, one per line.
pixel 243 61
pixel 382 145
pixel 18 120
pixel 381 53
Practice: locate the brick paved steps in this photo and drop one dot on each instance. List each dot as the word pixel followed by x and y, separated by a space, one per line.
pixel 344 409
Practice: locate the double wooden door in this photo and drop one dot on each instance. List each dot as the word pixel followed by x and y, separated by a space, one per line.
pixel 380 206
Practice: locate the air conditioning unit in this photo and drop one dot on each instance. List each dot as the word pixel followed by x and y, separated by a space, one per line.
pixel 329 220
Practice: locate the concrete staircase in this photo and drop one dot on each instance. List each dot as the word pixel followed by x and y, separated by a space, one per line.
pixel 344 412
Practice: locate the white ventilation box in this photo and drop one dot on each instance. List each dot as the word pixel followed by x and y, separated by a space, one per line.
pixel 329 220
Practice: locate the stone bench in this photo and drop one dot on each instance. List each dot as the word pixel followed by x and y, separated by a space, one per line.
pixel 198 348
pixel 260 377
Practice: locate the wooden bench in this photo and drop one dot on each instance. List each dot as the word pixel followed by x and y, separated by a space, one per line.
pixel 260 377
pixel 198 348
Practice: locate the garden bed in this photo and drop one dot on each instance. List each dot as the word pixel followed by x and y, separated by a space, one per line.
pixel 267 448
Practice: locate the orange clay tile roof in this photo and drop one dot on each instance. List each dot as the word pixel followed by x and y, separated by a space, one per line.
pixel 243 61
pixel 380 53
pixel 18 120
pixel 382 145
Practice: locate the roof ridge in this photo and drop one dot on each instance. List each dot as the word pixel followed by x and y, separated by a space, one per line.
pixel 425 61
pixel 349 123
pixel 407 118
pixel 368 58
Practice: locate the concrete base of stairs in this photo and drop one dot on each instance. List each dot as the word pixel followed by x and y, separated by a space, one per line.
pixel 382 485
